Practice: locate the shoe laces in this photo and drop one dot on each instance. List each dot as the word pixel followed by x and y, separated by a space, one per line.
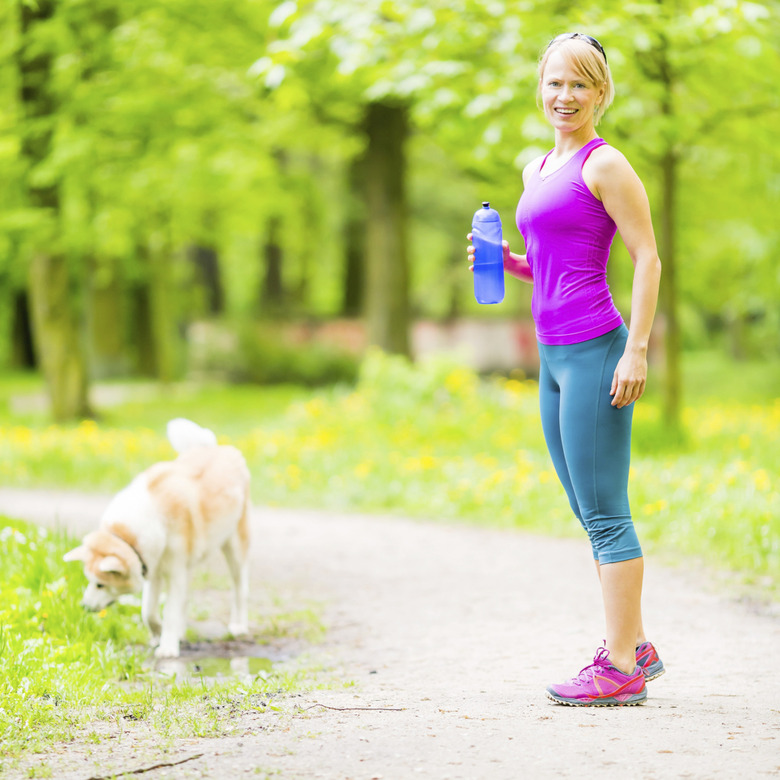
pixel 600 661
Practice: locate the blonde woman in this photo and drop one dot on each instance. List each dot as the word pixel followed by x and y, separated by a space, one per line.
pixel 592 367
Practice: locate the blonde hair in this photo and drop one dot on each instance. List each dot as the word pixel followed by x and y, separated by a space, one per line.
pixel 589 62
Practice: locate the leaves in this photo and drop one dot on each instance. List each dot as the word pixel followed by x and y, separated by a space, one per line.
pixel 170 116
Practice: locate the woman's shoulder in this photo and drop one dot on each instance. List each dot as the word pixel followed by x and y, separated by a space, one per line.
pixel 606 159
pixel 607 169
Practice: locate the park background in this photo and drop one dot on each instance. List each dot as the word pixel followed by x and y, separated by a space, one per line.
pixel 216 208
pixel 254 214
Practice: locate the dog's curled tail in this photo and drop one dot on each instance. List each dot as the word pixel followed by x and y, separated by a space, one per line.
pixel 183 434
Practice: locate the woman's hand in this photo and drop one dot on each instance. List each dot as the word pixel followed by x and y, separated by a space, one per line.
pixel 507 259
pixel 470 250
pixel 629 379
pixel 504 247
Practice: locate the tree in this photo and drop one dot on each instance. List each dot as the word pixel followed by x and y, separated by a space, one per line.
pixel 156 139
pixel 677 57
pixel 138 130
pixel 56 314
pixel 386 67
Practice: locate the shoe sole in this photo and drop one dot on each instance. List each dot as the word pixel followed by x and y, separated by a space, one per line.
pixel 654 671
pixel 637 698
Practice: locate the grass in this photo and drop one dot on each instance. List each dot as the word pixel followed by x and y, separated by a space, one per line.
pixel 63 669
pixel 147 405
pixel 709 376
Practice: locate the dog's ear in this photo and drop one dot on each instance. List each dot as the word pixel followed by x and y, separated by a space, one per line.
pixel 112 564
pixel 77 554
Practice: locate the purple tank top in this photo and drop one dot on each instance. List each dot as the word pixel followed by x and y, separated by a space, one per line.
pixel 567 235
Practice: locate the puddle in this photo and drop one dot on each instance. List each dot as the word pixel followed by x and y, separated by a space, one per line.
pixel 221 660
pixel 228 667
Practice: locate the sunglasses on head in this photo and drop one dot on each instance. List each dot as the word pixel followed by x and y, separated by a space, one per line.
pixel 587 38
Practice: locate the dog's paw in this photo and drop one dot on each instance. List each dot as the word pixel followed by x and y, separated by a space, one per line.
pixel 238 629
pixel 167 650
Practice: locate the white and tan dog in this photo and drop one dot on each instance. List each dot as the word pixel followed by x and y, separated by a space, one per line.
pixel 168 518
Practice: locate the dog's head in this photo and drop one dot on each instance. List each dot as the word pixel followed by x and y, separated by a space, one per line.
pixel 111 566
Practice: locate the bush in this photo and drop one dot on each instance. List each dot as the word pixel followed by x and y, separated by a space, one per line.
pixel 265 354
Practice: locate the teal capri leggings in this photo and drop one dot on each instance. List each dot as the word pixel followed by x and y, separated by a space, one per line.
pixel 590 440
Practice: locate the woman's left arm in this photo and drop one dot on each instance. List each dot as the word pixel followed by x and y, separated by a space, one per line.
pixel 615 182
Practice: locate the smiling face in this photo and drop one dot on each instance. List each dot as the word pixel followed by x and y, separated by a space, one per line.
pixel 569 97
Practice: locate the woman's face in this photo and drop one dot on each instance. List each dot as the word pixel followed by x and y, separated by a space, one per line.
pixel 569 99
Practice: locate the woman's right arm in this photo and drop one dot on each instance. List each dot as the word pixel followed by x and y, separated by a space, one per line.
pixel 517 265
pixel 514 265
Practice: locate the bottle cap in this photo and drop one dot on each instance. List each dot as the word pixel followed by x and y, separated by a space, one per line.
pixel 485 204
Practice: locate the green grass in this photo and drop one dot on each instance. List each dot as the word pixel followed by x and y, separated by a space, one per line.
pixel 143 404
pixel 708 376
pixel 62 668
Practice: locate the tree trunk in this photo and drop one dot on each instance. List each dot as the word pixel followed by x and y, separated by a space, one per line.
pixel 272 294
pixel 154 332
pixel 387 278
pixel 668 287
pixel 108 355
pixel 736 334
pixel 22 349
pixel 206 262
pixel 673 382
pixel 141 335
pixel 58 337
pixel 312 227
pixel 455 283
pixel 55 314
pixel 355 242
pixel 164 331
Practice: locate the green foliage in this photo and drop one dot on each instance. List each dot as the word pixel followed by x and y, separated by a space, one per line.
pixel 436 441
pixel 198 123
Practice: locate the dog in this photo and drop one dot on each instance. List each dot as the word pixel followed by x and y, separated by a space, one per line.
pixel 156 529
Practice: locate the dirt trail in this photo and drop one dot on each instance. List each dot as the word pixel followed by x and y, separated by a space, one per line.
pixel 455 632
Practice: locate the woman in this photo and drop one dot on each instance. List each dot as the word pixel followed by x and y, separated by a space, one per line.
pixel 592 368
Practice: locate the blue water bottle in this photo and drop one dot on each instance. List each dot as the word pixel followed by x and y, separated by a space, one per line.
pixel 488 255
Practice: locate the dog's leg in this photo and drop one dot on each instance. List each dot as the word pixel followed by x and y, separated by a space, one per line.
pixel 150 607
pixel 174 612
pixel 236 555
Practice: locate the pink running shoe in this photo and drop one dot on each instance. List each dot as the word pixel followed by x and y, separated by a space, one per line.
pixel 601 685
pixel 647 658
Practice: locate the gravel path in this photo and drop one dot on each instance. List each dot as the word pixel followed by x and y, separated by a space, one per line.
pixel 451 634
